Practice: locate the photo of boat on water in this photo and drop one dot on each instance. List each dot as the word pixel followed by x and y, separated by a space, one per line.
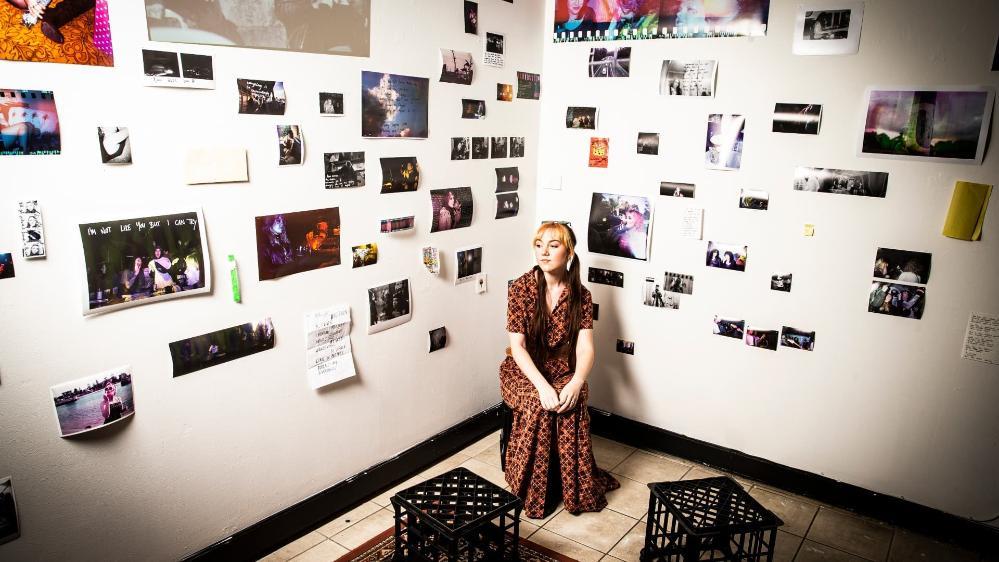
pixel 92 402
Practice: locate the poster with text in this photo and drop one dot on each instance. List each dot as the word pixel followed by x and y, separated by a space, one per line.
pixel 290 243
pixel 394 106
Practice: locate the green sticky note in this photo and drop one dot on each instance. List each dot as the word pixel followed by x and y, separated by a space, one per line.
pixel 967 210
pixel 234 277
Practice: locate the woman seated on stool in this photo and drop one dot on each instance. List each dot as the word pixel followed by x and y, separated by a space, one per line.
pixel 543 379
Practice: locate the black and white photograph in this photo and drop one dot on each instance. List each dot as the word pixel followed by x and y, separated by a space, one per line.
pixel 160 64
pixel 907 301
pixel 471 19
pixel 214 348
pixel 724 143
pixel 291 145
pixel 6 266
pixel 654 294
pixel 177 70
pixel 605 277
pixel 331 104
pixel 499 147
pixel 114 145
pixel 295 242
pixel 468 264
pixel 389 305
pixel 581 117
pixel 903 266
pixel 495 47
pixel 763 339
pixel 828 27
pixel 507 205
pixel 145 259
pixel 674 189
pixel 261 97
pixel 626 347
pixel 364 255
pixel 517 147
pixel 438 339
pixel 473 109
pixel 781 282
pixel 619 225
pixel 613 62
pixel 797 118
pixel 648 143
pixel 480 148
pixel 457 67
pixel 451 208
pixel 89 403
pixel 32 230
pixel 727 256
pixel 321 26
pixel 679 283
pixel 688 78
pixel 344 169
pixel 400 174
pixel 729 327
pixel 198 68
pixel 10 528
pixel 842 182
pixel 754 199
pixel 507 179
pixel 797 339
pixel 461 148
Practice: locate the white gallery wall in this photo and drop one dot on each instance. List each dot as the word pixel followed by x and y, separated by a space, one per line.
pixel 210 453
pixel 884 403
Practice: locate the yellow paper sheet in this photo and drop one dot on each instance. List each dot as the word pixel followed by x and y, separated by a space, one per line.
pixel 967 210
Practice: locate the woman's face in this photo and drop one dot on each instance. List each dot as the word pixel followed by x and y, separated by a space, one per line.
pixel 574 7
pixel 138 264
pixel 109 392
pixel 551 253
pixel 450 199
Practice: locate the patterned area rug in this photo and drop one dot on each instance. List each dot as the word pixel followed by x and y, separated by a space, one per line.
pixel 17 42
pixel 380 548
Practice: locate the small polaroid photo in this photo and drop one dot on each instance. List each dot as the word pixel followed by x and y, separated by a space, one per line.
pixel 729 327
pixel 114 144
pixel 829 27
pixel 291 145
pixel 754 199
pixel 902 265
pixel 437 339
pixel 798 118
pixel 330 104
pixel 389 305
pixel 32 230
pixel 797 339
pixel 674 189
pixel 10 527
pixel 581 117
pixel 648 143
pixel 495 47
pixel 468 264
pixel 780 282
pixel 626 347
pixel 764 339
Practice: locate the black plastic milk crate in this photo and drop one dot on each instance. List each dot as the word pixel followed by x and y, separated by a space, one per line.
pixel 711 519
pixel 456 516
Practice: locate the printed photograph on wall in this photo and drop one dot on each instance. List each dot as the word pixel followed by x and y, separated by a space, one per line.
pixel 507 179
pixel 728 327
pixel 841 182
pixel 648 143
pixel 29 215
pixel 456 67
pixel 344 169
pixel 723 146
pixel 929 125
pixel 495 47
pixel 781 282
pixel 89 403
pixel 473 109
pixel 828 27
pixel 177 70
pixel 504 92
pixel 797 339
pixel 599 148
pixel 261 97
pixel 388 226
pixel 687 78
pixel 679 283
pixel 480 148
pixel 799 118
pixel 755 199
pixel 605 277
pixel 461 148
pixel 764 339
pixel 675 189
pixel 655 296
pixel 145 259
pixel 517 147
pixel 114 145
pixel 365 255
pixel 437 339
pixel 602 20
pixel 331 104
pixel 221 346
pixel 619 225
pixel 29 123
pixel 10 528
pixel 400 174
pixel 507 205
pixel 727 256
pixel 394 106
pixel 323 26
pixel 471 19
pixel 290 243
pixel 72 32
pixel 468 264
pixel 498 147
pixel 626 347
pixel 389 305
pixel 451 208
pixel 902 265
pixel 432 259
pixel 581 117
pixel 6 266
pixel 614 62
pixel 291 145
pixel 528 86
pixel 907 301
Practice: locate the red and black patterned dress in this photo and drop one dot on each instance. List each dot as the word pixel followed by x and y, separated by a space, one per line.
pixel 529 447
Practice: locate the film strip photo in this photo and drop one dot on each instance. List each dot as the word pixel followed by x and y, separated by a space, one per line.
pixel 32 232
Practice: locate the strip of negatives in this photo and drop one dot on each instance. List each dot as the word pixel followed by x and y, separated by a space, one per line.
pixel 674 189
pixel 841 182
pixel 606 277
pixel 388 226
pixel 798 118
pixel 902 265
pixel 214 348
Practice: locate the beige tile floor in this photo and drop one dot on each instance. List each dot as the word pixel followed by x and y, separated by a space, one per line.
pixel 812 532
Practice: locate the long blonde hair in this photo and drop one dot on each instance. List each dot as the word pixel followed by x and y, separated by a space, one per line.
pixel 537 326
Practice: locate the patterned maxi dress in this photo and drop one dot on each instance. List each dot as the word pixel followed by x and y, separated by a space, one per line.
pixel 528 450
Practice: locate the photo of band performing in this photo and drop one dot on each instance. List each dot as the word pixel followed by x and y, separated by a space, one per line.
pixel 290 243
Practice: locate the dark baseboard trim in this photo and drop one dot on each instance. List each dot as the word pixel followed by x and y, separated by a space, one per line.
pixel 264 537
pixel 931 522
